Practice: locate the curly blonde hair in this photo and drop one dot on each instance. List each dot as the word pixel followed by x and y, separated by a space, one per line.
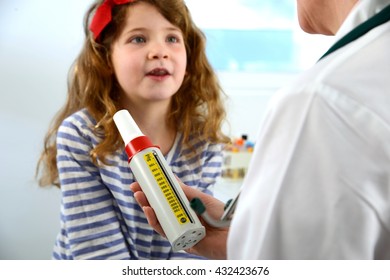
pixel 197 107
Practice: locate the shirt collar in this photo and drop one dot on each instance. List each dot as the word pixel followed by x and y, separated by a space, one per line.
pixel 363 10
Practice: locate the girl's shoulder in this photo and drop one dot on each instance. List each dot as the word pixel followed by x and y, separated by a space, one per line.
pixel 80 125
pixel 196 146
pixel 198 143
pixel 81 118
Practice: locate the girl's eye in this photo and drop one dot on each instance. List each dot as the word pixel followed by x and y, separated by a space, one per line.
pixel 172 39
pixel 137 40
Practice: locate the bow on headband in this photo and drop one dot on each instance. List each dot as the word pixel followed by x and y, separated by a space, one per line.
pixel 103 16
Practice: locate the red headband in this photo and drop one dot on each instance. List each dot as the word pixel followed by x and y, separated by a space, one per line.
pixel 103 16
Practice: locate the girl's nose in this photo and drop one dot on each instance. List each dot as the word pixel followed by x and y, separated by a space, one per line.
pixel 157 51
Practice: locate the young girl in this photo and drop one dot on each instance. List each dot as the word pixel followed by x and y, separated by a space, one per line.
pixel 146 56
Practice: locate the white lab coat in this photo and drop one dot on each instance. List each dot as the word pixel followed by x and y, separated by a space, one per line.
pixel 318 186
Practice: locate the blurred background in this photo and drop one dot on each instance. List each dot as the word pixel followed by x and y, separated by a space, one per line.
pixel 255 46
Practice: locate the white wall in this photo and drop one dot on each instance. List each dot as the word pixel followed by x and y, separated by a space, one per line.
pixel 248 96
pixel 39 39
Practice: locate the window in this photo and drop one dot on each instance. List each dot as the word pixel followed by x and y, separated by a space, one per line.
pixel 262 50
pixel 253 36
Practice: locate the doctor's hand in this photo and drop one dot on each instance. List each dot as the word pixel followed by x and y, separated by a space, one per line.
pixel 213 245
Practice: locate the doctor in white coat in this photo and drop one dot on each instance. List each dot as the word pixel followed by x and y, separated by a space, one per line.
pixel 318 186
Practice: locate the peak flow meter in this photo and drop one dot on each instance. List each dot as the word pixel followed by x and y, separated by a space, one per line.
pixel 179 222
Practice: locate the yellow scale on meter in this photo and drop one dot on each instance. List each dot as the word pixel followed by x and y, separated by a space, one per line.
pixel 166 187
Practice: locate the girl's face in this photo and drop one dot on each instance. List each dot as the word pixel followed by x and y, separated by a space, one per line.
pixel 149 57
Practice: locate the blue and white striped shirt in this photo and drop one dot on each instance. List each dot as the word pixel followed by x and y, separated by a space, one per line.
pixel 100 218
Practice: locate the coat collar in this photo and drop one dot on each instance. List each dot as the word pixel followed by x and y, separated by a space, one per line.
pixel 363 10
